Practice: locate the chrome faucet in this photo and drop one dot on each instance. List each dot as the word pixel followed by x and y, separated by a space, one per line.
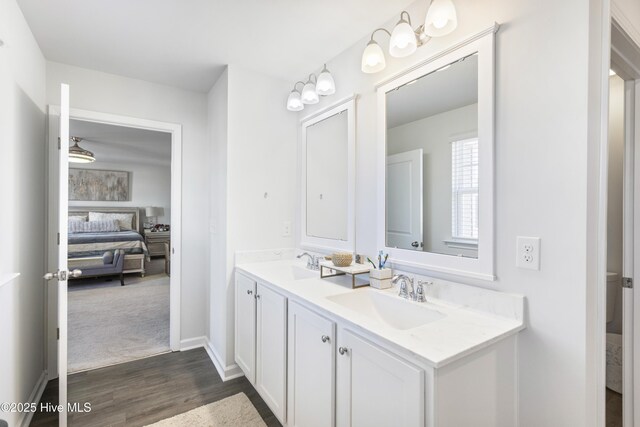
pixel 415 294
pixel 313 262
pixel 404 279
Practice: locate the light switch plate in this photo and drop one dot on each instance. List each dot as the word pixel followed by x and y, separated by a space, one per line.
pixel 528 252
pixel 286 228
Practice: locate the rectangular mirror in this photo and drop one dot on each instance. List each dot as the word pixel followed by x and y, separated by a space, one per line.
pixel 436 145
pixel 327 157
pixel 432 162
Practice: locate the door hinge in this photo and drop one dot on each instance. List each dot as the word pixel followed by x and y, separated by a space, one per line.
pixel 58 333
pixel 627 282
pixel 59 143
pixel 58 239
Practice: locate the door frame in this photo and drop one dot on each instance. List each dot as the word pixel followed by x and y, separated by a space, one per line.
pixel 622 50
pixel 175 130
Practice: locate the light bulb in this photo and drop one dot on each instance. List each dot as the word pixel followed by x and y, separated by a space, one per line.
pixel 403 40
pixel 441 18
pixel 373 58
pixel 325 85
pixel 309 94
pixel 294 103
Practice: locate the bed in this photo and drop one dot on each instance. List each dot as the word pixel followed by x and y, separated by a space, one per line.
pixel 88 248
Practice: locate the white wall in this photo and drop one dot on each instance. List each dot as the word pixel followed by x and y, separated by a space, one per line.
pixel 615 195
pixel 433 134
pixel 22 173
pixel 149 185
pixel 220 293
pixel 108 93
pixel 260 151
pixel 541 182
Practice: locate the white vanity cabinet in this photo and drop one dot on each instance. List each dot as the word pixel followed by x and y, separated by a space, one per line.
pixel 375 387
pixel 246 326
pixel 261 341
pixel 311 382
pixel 344 380
pixel 271 349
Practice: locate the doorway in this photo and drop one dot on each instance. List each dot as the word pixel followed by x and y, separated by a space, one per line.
pixel 622 371
pixel 170 261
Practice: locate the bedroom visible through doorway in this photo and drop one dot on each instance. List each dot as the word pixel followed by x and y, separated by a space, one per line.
pixel 120 237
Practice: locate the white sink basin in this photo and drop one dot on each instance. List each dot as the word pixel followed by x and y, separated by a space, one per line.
pixel 387 309
pixel 290 272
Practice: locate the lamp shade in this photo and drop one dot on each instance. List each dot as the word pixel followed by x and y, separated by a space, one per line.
pixel 294 103
pixel 325 85
pixel 441 18
pixel 153 211
pixel 403 40
pixel 309 94
pixel 373 58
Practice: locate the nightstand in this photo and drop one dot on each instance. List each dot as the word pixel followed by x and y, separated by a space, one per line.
pixel 155 241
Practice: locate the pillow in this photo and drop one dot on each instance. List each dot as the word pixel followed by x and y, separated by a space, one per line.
pixel 107 258
pixel 77 218
pixel 124 220
pixel 93 226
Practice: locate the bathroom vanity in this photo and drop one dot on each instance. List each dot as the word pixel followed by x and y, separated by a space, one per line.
pixel 323 354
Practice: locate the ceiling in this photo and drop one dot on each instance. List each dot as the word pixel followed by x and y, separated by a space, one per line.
pixel 435 93
pixel 187 43
pixel 119 144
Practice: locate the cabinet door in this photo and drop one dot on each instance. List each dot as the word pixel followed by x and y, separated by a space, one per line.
pixel 246 326
pixel 311 369
pixel 271 349
pixel 376 388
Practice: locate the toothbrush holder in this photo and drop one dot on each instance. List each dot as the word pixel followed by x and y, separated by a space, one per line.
pixel 380 279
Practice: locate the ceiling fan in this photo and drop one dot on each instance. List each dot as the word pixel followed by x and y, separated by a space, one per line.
pixel 78 154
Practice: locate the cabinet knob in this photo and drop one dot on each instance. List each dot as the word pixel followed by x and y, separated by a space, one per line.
pixel 257 296
pixel 343 350
pixel 249 292
pixel 325 338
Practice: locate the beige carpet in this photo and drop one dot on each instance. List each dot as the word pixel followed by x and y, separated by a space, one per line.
pixel 234 411
pixel 110 324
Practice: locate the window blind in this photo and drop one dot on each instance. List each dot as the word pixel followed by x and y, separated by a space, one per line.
pixel 464 196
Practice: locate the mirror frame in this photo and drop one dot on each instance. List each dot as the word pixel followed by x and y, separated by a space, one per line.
pixel 319 243
pixel 478 268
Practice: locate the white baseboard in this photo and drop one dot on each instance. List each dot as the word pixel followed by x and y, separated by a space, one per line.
pixel 34 397
pixel 227 373
pixel 191 343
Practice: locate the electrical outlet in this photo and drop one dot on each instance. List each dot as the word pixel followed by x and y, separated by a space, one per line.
pixel 528 252
pixel 286 228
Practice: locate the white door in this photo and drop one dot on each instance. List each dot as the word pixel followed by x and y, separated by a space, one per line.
pixel 57 256
pixel 375 388
pixel 311 373
pixel 246 326
pixel 404 200
pixel 271 349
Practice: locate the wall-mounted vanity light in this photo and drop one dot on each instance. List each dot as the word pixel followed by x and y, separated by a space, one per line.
pixel 441 20
pixel 312 90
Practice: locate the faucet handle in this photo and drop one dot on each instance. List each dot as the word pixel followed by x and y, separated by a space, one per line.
pixel 420 291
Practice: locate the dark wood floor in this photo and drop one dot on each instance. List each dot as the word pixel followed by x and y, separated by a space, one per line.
pixel 614 409
pixel 148 390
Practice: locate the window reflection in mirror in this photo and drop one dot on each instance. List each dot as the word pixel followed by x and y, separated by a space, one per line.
pixel 327 178
pixel 432 162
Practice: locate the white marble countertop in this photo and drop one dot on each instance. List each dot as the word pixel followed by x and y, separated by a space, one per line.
pixel 479 318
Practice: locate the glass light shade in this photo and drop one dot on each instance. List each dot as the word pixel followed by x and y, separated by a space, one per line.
pixel 78 154
pixel 294 103
pixel 373 58
pixel 325 85
pixel 403 40
pixel 309 94
pixel 441 18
